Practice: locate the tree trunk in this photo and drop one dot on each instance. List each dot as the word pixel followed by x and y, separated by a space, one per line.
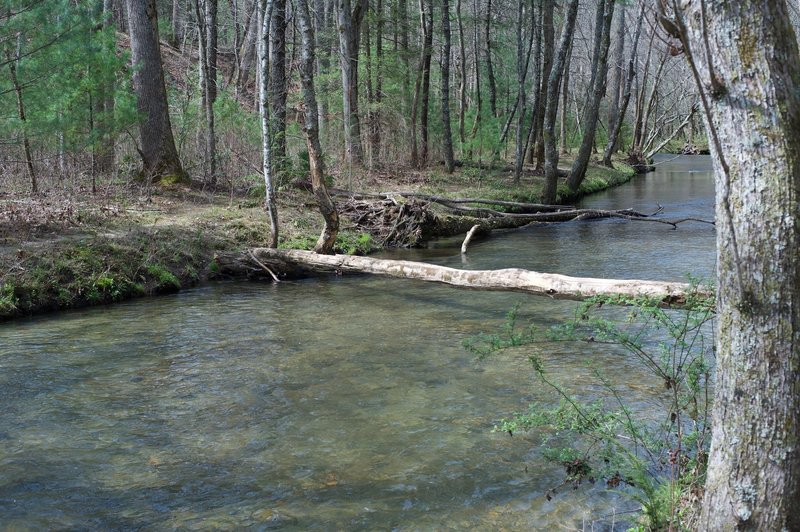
pixel 489 68
pixel 553 84
pixel 617 68
pixel 26 146
pixel 265 16
pixel 522 73
pixel 600 71
pixel 752 112
pixel 206 11
pixel 462 84
pixel 426 13
pixel 159 155
pixel 476 124
pixel 176 36
pixel 510 279
pixel 349 40
pixel 376 111
pixel 327 238
pixel 562 137
pixel 616 126
pixel 278 85
pixel 548 43
pixel 447 136
pixel 248 51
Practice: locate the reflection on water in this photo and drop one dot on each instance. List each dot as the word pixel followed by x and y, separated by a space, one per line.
pixel 341 403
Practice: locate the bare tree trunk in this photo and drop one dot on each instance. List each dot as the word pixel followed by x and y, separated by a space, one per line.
pixel 327 238
pixel 553 84
pixel 106 147
pixel 349 40
pixel 26 146
pixel 462 85
pixel 489 67
pixel 176 36
pixel 548 43
pixel 376 112
pixel 248 51
pixel 617 68
pixel 206 11
pixel 745 60
pixel 562 138
pixel 523 60
pixel 600 70
pixel 539 81
pixel 159 155
pixel 323 47
pixel 447 140
pixel 278 85
pixel 265 15
pixel 426 13
pixel 476 124
pixel 616 126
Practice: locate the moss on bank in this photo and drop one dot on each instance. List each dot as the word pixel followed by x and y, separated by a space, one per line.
pixel 169 249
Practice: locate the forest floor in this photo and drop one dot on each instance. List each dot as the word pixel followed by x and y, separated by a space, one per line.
pixel 70 249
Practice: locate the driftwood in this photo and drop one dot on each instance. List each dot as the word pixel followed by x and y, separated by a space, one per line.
pixel 291 263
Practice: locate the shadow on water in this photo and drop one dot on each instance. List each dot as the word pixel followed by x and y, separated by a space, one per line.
pixel 337 403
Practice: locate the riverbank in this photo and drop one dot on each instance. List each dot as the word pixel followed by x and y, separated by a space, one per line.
pixel 70 250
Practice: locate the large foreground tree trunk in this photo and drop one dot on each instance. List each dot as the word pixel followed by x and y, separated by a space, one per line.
pixel 749 91
pixel 159 155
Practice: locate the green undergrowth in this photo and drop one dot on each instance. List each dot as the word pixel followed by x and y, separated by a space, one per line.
pixel 98 270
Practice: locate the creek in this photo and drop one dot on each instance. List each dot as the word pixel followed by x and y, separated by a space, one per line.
pixel 335 403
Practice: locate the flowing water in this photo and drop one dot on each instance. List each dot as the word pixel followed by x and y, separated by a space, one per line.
pixel 340 403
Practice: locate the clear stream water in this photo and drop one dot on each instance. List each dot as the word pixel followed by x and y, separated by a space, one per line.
pixel 332 404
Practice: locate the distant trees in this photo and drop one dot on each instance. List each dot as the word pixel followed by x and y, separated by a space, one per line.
pixel 399 64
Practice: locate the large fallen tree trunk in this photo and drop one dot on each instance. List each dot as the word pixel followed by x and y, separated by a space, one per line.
pixel 292 263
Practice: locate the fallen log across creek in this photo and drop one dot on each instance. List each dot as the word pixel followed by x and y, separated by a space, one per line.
pixel 294 263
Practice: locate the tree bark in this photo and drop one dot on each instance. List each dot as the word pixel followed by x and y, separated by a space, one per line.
pixel 616 126
pixel 206 11
pixel 447 136
pixel 327 238
pixel 562 137
pixel 489 67
pixel 426 14
pixel 462 84
pixel 278 84
pixel 26 145
pixel 548 44
pixel 745 60
pixel 617 68
pixel 523 59
pixel 265 16
pixel 600 71
pixel 553 83
pixel 159 155
pixel 248 50
pixel 552 285
pixel 349 41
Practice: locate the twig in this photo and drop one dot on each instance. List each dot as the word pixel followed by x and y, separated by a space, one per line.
pixel 274 277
